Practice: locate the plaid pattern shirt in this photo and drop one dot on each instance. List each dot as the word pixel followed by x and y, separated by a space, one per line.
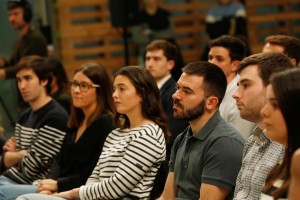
pixel 260 156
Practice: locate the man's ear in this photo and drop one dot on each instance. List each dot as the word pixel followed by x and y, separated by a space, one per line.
pixel 212 102
pixel 293 61
pixel 44 82
pixel 171 64
pixel 234 65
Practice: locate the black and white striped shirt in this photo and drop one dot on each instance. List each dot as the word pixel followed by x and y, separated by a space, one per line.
pixel 41 133
pixel 127 165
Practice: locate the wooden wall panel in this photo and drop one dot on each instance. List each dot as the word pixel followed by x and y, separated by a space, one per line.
pixel 267 17
pixel 84 31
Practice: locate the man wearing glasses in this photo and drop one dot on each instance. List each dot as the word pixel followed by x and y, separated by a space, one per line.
pixel 39 131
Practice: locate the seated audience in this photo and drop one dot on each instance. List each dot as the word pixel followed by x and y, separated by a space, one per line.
pixel 280 118
pixel 90 122
pixel 131 154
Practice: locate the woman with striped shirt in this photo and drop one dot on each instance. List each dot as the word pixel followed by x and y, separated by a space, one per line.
pixel 132 153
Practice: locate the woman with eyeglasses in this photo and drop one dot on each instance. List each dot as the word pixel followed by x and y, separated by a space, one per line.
pixel 133 153
pixel 282 125
pixel 90 122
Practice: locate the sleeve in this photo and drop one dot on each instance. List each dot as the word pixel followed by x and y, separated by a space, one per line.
pixel 139 157
pixel 45 147
pixel 225 153
pixel 102 129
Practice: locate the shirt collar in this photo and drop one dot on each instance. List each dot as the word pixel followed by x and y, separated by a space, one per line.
pixel 163 81
pixel 209 126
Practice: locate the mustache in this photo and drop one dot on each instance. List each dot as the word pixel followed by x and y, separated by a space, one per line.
pixel 177 103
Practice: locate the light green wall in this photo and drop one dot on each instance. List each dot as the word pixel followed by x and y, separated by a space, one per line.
pixel 7 86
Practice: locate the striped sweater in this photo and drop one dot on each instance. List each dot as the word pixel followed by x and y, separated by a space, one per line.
pixel 127 165
pixel 41 133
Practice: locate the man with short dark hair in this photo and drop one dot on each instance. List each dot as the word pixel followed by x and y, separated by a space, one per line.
pixel 285 44
pixel 206 157
pixel 160 61
pixel 40 129
pixel 260 153
pixel 226 52
pixel 30 41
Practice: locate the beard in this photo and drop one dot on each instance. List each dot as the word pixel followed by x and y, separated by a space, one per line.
pixel 189 114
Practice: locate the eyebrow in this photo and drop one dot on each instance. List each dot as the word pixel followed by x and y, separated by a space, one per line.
pixel 244 80
pixel 273 99
pixel 185 88
pixel 119 84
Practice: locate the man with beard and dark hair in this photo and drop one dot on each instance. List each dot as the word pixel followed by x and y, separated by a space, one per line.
pixel 206 157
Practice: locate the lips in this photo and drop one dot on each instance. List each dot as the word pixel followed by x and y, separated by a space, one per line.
pixel 117 103
pixel 266 124
pixel 24 94
pixel 177 105
pixel 239 105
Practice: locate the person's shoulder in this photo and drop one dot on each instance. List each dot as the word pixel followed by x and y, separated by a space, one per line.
pixel 224 129
pixel 25 113
pixel 54 108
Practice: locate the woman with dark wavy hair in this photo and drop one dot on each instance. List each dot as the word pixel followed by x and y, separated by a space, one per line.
pixel 282 125
pixel 132 154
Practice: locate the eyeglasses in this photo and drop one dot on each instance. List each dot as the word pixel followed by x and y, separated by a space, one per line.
pixel 83 86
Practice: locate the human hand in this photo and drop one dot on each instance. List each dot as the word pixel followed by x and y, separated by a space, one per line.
pixel 10 144
pixel 70 194
pixel 48 184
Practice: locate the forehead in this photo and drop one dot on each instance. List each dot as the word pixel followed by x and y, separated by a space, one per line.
pixel 193 82
pixel 81 76
pixel 273 48
pixel 25 72
pixel 15 10
pixel 155 52
pixel 250 73
pixel 219 51
pixel 122 80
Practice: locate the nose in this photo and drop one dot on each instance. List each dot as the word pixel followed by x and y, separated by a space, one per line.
pixel 76 88
pixel 114 94
pixel 21 84
pixel 264 111
pixel 213 61
pixel 148 63
pixel 236 94
pixel 176 95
